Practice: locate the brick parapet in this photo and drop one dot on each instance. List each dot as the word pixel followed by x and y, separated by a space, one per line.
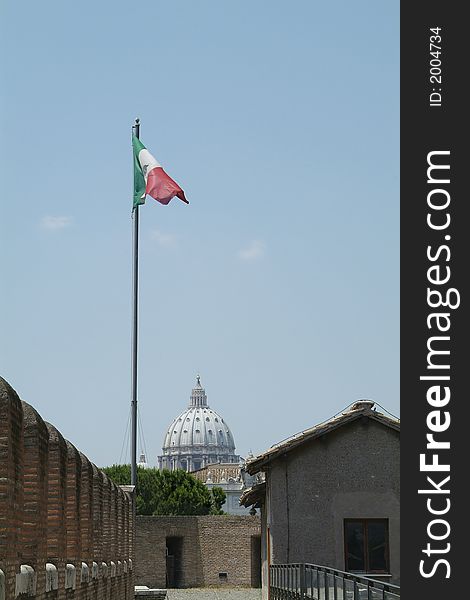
pixel 52 511
pixel 11 484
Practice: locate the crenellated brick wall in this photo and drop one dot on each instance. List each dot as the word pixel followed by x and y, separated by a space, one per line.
pixel 66 530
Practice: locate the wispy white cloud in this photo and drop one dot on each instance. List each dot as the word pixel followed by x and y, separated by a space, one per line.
pixel 55 223
pixel 254 251
pixel 166 240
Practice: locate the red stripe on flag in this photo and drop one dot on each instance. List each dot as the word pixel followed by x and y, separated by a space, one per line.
pixel 162 187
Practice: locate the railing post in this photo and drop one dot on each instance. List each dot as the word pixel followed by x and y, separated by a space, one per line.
pixel 356 591
pixel 303 587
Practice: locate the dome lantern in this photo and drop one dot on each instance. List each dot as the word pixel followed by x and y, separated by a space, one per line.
pixel 198 395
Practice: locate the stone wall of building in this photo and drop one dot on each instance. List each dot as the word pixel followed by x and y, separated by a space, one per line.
pixel 232 479
pixel 207 550
pixel 350 473
pixel 65 528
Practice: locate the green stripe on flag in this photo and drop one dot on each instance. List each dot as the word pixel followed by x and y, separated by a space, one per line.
pixel 139 181
pixel 137 145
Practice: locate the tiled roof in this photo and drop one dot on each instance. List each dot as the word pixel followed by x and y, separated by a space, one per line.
pixel 218 472
pixel 363 408
pixel 253 496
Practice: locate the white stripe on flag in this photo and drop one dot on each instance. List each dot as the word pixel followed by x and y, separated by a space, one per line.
pixel 147 162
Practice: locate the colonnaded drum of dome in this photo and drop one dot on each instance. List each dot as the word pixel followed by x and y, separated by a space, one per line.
pixel 197 437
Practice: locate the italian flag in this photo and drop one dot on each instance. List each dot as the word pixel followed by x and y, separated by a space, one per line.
pixel 150 178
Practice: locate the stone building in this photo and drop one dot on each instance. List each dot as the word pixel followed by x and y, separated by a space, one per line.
pixel 197 437
pixel 331 495
pixel 142 462
pixel 233 479
pixel 198 551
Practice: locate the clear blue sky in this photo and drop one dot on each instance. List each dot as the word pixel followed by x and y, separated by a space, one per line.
pixel 278 283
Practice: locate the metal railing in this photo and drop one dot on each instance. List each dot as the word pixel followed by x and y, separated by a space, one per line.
pixel 304 581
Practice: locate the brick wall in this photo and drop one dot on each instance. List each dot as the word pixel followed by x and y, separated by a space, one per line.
pixel 65 528
pixel 209 545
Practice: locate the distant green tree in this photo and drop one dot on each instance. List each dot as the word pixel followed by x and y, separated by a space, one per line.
pixel 169 492
pixel 218 499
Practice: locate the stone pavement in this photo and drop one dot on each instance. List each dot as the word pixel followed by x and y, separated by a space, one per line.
pixel 215 594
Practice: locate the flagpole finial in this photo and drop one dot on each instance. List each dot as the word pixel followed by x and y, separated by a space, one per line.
pixel 136 127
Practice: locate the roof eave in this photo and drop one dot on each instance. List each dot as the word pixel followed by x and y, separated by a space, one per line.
pixel 257 464
pixel 253 496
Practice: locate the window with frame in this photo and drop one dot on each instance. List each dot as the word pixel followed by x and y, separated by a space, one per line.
pixel 366 545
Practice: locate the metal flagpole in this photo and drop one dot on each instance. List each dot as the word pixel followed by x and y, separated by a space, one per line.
pixel 136 132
